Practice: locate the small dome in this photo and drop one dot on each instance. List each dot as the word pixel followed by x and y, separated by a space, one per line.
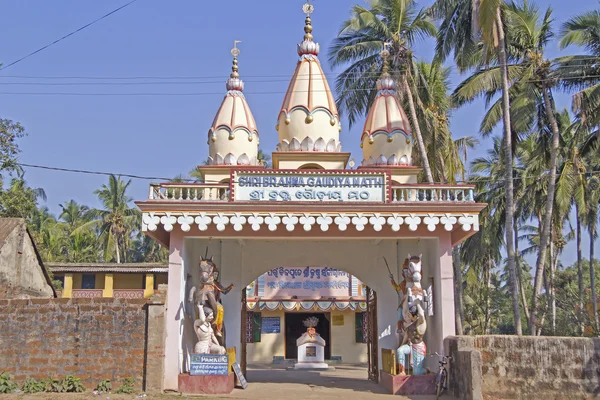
pixel 387 136
pixel 309 110
pixel 233 136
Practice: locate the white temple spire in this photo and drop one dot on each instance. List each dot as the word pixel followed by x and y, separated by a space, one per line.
pixel 308 119
pixel 233 136
pixel 387 136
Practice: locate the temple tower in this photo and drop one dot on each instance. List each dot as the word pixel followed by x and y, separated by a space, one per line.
pixel 308 122
pixel 233 136
pixel 387 139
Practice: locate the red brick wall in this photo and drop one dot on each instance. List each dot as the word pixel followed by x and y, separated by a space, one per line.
pixel 92 339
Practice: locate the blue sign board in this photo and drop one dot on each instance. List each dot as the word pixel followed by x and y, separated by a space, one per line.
pixel 271 325
pixel 209 364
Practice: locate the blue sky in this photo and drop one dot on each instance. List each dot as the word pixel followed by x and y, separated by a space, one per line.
pixel 163 136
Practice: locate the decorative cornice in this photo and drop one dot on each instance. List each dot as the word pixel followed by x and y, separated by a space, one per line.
pixel 309 221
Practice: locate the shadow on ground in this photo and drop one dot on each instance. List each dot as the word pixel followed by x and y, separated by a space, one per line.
pixel 348 382
pixel 344 377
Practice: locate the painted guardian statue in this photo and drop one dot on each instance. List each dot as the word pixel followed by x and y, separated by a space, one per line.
pixel 411 316
pixel 208 296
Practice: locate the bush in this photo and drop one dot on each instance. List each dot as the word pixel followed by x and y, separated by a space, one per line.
pixel 6 383
pixel 126 387
pixel 52 385
pixel 32 386
pixel 72 385
pixel 104 387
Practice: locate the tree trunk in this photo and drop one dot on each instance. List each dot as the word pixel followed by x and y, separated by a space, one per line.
pixel 593 279
pixel 547 221
pixel 459 314
pixel 510 250
pixel 417 129
pixel 552 293
pixel 488 283
pixel 545 274
pixel 117 250
pixel 579 267
pixel 520 274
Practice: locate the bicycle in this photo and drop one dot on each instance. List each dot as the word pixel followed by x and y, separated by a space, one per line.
pixel 441 379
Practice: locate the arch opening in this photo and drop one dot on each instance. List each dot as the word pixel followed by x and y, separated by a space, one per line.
pixel 311 166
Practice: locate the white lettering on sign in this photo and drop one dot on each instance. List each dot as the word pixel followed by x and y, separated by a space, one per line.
pixel 310 187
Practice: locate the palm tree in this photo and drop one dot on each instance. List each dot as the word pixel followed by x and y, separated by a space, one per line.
pixel 532 101
pixel 447 156
pixel 116 220
pixel 146 249
pixel 592 197
pixel 74 214
pixel 263 158
pixel 48 235
pixel 583 30
pixel 470 28
pixel 360 41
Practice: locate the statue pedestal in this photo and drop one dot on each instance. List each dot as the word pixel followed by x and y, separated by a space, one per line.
pixel 408 385
pixel 311 352
pixel 206 384
pixel 209 374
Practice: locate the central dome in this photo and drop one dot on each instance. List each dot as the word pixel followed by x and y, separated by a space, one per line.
pixel 309 119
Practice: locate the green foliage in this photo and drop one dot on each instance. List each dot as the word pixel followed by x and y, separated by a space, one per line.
pixel 7 385
pixel 81 234
pixel 52 385
pixel 32 386
pixel 126 387
pixel 19 200
pixel 9 149
pixel 70 384
pixel 104 387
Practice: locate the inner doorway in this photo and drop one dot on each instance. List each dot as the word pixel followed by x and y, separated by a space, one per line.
pixel 294 328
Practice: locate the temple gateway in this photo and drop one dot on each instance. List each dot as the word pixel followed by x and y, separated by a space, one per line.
pixel 255 251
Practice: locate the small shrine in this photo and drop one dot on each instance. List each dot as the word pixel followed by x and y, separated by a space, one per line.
pixel 311 347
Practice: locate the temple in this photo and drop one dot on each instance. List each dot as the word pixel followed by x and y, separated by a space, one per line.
pixel 311 213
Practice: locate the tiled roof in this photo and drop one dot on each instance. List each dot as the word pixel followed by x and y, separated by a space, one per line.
pixel 156 268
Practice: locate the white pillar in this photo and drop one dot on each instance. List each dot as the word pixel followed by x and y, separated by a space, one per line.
pixel 174 313
pixel 446 288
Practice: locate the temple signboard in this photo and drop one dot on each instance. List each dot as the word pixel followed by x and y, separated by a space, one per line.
pixel 308 282
pixel 294 186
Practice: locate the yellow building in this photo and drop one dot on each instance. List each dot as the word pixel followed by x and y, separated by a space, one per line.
pixel 90 280
pixel 278 302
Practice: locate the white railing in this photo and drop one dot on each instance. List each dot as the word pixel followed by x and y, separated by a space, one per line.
pixel 189 192
pixel 404 193
pixel 437 193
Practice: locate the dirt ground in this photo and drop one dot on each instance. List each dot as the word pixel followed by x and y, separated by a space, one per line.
pixel 269 382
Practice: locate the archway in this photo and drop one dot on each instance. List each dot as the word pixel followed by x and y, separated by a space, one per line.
pixel 311 166
pixel 243 259
pixel 277 303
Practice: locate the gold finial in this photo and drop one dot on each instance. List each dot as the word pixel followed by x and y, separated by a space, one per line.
pixel 385 54
pixel 308 9
pixel 235 52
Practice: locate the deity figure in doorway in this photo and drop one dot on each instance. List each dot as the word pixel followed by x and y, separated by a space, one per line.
pixel 412 342
pixel 409 290
pixel 207 341
pixel 209 295
pixel 411 314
